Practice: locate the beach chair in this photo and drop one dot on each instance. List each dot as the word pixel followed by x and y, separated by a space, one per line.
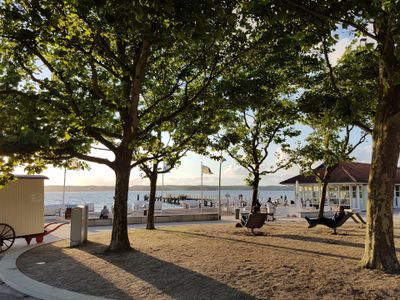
pixel 357 218
pixel 255 221
pixel 341 221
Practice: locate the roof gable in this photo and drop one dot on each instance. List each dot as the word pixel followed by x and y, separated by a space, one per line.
pixel 345 172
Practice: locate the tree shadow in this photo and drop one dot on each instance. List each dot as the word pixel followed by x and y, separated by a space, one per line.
pixel 319 240
pixel 173 280
pixel 50 265
pixel 307 251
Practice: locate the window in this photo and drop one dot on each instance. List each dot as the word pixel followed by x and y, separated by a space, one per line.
pixel 354 192
pixel 344 192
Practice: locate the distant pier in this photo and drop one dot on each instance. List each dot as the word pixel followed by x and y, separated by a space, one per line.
pixel 176 199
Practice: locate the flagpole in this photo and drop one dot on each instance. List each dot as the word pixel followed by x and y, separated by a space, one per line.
pixel 201 171
pixel 162 181
pixel 219 188
pixel 65 176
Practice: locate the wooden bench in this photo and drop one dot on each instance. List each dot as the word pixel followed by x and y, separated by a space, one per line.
pixel 255 221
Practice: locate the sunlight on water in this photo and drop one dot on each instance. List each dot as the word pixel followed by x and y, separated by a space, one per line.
pixel 106 197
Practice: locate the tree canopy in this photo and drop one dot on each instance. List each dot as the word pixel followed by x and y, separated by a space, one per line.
pixel 105 73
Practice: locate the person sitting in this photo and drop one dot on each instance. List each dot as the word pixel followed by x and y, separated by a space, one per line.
pixel 271 209
pixel 330 222
pixel 104 213
pixel 257 207
pixel 256 210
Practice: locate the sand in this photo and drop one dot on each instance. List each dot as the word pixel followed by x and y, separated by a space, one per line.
pixel 285 261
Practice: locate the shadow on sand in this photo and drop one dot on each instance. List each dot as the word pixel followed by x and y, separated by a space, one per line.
pixel 264 244
pixel 171 279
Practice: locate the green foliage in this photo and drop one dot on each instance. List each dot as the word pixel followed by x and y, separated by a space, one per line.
pixel 252 132
pixel 354 97
pixel 77 74
pixel 329 147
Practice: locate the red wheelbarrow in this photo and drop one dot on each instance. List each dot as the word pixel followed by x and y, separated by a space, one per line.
pixel 7 234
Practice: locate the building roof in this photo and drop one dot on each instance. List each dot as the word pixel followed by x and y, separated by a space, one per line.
pixel 345 172
pixel 30 176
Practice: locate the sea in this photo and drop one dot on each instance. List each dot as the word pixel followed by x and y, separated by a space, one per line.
pixel 101 198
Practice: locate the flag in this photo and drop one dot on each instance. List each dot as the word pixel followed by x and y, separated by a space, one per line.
pixel 206 170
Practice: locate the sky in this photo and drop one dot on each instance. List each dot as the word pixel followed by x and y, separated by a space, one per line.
pixel 188 173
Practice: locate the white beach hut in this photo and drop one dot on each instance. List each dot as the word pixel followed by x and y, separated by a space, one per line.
pixel 22 205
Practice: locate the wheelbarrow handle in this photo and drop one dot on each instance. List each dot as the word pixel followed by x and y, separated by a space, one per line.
pixel 46 232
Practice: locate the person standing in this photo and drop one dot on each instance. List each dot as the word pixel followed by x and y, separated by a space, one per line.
pixel 271 209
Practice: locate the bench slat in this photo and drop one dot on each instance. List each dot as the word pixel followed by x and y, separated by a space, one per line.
pixel 256 220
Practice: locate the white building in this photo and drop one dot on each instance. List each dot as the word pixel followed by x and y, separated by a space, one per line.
pixel 347 186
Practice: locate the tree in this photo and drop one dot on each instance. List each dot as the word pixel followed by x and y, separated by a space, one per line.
pixel 104 73
pixel 258 112
pixel 383 15
pixel 336 100
pixel 152 170
pixel 253 133
pixel 188 133
pixel 258 91
pixel 330 147
pixel 377 20
pixel 348 90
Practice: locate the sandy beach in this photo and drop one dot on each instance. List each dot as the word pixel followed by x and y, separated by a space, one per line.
pixel 286 260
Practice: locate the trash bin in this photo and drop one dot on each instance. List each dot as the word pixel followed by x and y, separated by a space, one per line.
pixel 237 212
pixel 145 212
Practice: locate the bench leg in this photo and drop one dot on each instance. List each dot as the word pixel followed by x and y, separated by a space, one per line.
pixel 334 230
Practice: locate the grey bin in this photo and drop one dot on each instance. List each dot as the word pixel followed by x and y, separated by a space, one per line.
pixel 237 212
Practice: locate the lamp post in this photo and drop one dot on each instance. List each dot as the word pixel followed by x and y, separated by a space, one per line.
pixel 65 177
pixel 219 187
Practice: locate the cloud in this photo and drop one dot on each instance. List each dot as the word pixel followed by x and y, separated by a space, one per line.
pixel 340 48
pixel 235 170
pixel 363 153
pixel 281 156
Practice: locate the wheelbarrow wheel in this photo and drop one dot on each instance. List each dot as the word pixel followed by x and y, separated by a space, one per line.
pixel 7 237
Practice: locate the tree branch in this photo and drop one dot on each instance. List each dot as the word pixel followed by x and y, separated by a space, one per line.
pixel 362 126
pixel 334 18
pixel 90 158
pixel 330 69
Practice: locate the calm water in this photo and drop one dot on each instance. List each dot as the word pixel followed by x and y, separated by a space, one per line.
pixel 106 197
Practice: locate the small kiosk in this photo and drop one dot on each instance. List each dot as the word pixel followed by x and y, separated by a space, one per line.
pixel 21 210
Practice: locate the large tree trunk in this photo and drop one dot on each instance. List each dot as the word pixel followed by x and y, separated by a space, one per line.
pixel 119 237
pixel 325 181
pixel 380 252
pixel 255 185
pixel 152 200
pixel 323 199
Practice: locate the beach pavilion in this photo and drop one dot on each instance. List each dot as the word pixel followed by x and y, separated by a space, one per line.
pixel 347 186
